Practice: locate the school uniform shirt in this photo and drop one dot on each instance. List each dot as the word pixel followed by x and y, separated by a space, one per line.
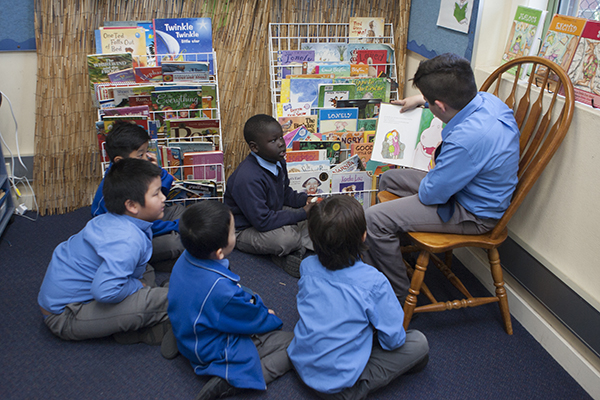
pixel 159 227
pixel 339 311
pixel 213 318
pixel 103 262
pixel 479 159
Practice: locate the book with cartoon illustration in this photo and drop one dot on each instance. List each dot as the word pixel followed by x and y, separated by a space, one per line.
pixel 365 29
pixel 338 119
pixel 584 71
pixel 329 95
pixel 525 34
pixel 407 139
pixel 354 183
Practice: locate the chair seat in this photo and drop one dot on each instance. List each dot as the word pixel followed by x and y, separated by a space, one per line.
pixel 442 242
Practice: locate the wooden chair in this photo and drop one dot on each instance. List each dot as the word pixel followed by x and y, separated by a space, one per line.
pixel 542 131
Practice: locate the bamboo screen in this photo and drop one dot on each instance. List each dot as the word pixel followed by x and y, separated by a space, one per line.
pixel 67 166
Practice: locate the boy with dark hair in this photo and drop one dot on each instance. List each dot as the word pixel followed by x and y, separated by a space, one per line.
pixel 224 330
pixel 270 217
pixel 127 140
pixel 98 283
pixel 474 176
pixel 349 340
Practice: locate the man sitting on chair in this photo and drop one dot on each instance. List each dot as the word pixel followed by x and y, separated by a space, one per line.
pixel 474 176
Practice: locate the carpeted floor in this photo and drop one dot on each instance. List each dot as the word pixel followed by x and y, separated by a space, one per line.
pixel 471 357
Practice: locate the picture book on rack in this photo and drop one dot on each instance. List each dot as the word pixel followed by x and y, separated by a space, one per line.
pixel 525 34
pixel 408 139
pixel 584 71
pixel 366 29
pixel 180 39
pixel 125 40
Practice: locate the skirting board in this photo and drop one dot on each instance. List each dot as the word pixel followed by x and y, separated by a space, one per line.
pixel 579 362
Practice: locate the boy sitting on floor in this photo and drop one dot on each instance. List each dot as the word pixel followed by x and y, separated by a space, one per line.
pixel 98 282
pixel 270 217
pixel 349 340
pixel 126 140
pixel 223 330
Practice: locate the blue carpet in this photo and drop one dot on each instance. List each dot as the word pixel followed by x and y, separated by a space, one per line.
pixel 471 356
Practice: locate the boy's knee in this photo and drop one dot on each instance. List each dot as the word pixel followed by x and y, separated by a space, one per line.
pixel 418 342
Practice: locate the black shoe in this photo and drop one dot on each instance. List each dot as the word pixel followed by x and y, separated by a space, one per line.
pixel 217 388
pixel 289 263
pixel 168 347
pixel 152 335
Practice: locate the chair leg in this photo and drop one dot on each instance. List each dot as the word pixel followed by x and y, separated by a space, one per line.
pixel 415 287
pixel 497 276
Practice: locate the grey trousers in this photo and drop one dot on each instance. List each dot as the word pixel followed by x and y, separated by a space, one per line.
pixel 387 221
pixel 384 366
pixel 79 321
pixel 272 350
pixel 280 242
pixel 168 246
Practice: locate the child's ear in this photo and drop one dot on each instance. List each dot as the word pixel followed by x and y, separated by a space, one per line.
pixel 132 207
pixel 253 146
pixel 117 158
pixel 219 255
pixel 364 236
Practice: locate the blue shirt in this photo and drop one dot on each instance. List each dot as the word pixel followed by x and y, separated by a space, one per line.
pixel 479 159
pixel 159 227
pixel 213 318
pixel 103 262
pixel 339 311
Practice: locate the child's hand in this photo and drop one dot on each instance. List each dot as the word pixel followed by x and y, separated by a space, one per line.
pixel 271 311
pixel 308 206
pixel 410 103
pixel 152 158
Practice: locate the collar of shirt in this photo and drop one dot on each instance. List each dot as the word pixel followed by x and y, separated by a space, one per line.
pixel 220 267
pixel 269 166
pixel 462 115
pixel 145 226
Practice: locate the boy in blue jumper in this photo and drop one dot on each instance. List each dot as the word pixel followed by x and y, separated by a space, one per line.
pixel 356 343
pixel 126 140
pixel 270 217
pixel 224 330
pixel 98 282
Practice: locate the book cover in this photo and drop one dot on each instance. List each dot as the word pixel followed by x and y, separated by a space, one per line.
pixel 321 165
pixel 359 70
pixel 353 49
pixel 203 165
pixel 209 100
pixel 192 146
pixel 295 156
pixel 365 29
pixel 140 111
pixel 109 121
pixel 354 183
pixel 346 138
pixel 175 103
pixel 329 95
pixel 407 139
pixel 147 74
pixel 149 31
pixel 121 94
pixel 336 69
pixel 125 40
pixel 363 151
pixel 100 65
pixel 176 37
pixel 559 45
pixel 525 34
pixel 333 148
pixel 174 162
pixel 376 61
pixel 300 133
pixel 140 101
pixel 195 129
pixel 124 76
pixel 370 88
pixel 367 108
pixel 294 60
pixel 338 119
pixel 193 190
pixel 293 109
pixel 349 164
pixel 367 124
pixel 311 182
pixel 184 71
pixel 306 90
pixel 328 51
pixel 289 124
pixel 584 71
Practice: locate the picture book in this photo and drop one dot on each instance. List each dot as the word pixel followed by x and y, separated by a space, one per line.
pixel 311 182
pixel 138 111
pixel 176 37
pixel 359 70
pixel 367 124
pixel 100 65
pixel 320 165
pixel 147 74
pixel 184 71
pixel 294 60
pixel 330 94
pixel 300 133
pixel 196 129
pixel 369 136
pixel 209 100
pixel 293 156
pixel 338 119
pixel 306 90
pixel 124 75
pixel 175 161
pixel 350 164
pixel 367 108
pixel 109 121
pixel 121 94
pixel 284 91
pixel 353 49
pixel 293 109
pixel 289 124
pixel 408 139
pixel 559 46
pixel 584 71
pixel 192 146
pixel 145 100
pixel 333 148
pixel 337 69
pixel 365 29
pixel 328 51
pixel 376 61
pixel 125 40
pixel 372 88
pixel 525 34
pixel 354 183
pixel 192 190
pixel 175 103
pixel 346 138
pixel 363 151
pixel 149 31
pixel 203 165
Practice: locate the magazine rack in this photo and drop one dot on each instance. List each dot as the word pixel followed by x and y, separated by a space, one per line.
pixel 291 36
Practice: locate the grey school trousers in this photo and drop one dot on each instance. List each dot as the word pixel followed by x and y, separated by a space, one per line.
pixel 280 242
pixel 168 246
pixel 387 221
pixel 272 350
pixel 79 321
pixel 384 366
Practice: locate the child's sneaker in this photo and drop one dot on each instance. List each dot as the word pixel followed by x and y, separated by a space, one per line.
pixel 168 347
pixel 289 263
pixel 152 335
pixel 216 388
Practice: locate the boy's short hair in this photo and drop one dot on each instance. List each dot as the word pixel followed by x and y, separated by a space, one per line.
pixel 448 78
pixel 336 227
pixel 123 138
pixel 128 179
pixel 256 125
pixel 204 228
